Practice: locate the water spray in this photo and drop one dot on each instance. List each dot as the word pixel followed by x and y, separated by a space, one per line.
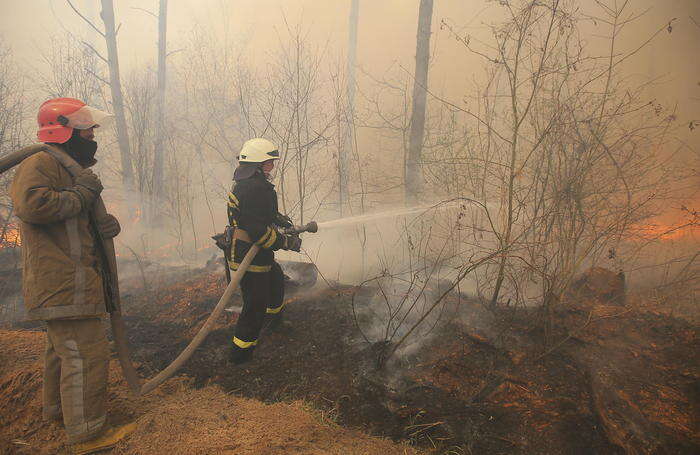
pixel 349 221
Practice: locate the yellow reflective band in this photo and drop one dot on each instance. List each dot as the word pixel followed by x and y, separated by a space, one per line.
pixel 275 310
pixel 251 268
pixel 244 344
pixel 262 240
pixel 273 239
pixel 233 200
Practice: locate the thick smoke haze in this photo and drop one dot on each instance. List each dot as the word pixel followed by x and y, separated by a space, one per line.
pixel 386 34
pixel 505 204
pixel 251 33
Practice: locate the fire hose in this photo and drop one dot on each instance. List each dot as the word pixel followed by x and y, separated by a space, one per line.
pixel 223 301
pixel 112 283
pixel 107 256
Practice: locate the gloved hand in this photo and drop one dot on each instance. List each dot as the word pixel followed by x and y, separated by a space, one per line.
pixel 89 180
pixel 283 221
pixel 109 226
pixel 220 241
pixel 292 243
pixel 88 185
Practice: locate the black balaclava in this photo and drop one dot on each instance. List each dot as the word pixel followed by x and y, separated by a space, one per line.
pixel 80 149
pixel 246 171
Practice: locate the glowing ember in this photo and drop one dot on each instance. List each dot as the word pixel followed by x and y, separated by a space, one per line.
pixel 10 237
pixel 137 216
pixel 667 232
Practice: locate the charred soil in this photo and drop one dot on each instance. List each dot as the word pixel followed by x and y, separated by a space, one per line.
pixel 609 379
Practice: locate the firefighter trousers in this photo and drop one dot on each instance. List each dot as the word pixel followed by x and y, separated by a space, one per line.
pixel 263 296
pixel 76 364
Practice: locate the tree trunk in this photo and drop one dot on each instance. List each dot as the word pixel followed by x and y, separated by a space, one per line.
pixel 345 151
pixel 157 185
pixel 414 180
pixel 117 98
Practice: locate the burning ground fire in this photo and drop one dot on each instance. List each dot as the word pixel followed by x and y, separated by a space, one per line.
pixel 666 232
pixel 10 237
pixel 685 228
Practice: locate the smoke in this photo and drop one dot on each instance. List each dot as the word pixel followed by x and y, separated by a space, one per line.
pixel 402 261
pixel 207 99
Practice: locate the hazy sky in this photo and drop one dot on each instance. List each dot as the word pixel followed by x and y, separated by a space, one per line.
pixel 387 30
pixel 386 38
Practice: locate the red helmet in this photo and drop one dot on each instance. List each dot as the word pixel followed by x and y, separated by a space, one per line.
pixel 58 117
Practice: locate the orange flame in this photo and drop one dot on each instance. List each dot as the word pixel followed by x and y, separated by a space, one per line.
pixel 10 237
pixel 666 232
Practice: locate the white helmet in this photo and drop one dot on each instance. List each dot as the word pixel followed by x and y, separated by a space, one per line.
pixel 258 150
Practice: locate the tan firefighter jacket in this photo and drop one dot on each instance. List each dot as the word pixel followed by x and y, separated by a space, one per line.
pixel 61 278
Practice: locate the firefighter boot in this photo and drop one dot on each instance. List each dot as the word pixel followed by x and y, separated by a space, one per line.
pixel 238 356
pixel 277 323
pixel 106 440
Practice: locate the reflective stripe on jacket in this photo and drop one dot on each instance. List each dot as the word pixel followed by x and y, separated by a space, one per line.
pixel 61 278
pixel 252 207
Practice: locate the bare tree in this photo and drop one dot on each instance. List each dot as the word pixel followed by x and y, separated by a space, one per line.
pixel 73 71
pixel 413 180
pixel 110 35
pixel 12 137
pixel 112 60
pixel 160 106
pixel 567 151
pixel 347 143
pixel 140 101
pixel 12 110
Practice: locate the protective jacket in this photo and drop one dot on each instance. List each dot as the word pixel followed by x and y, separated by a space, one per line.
pixel 61 278
pixel 252 207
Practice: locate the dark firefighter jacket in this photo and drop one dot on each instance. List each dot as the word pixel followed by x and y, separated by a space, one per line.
pixel 252 207
pixel 61 278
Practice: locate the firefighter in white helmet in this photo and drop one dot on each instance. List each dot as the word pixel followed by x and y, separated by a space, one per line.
pixel 253 212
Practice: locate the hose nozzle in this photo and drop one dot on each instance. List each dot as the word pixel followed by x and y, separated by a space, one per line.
pixel 311 226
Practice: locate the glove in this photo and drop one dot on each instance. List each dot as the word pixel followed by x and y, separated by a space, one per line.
pixel 220 240
pixel 283 221
pixel 292 243
pixel 225 239
pixel 88 185
pixel 109 226
pixel 89 180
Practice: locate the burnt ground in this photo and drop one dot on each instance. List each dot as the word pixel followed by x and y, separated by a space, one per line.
pixel 612 379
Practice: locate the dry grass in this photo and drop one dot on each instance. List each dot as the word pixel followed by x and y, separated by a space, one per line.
pixel 175 419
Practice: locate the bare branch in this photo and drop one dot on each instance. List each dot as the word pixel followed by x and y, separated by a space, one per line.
pixel 93 74
pixel 145 11
pixel 88 21
pixel 174 52
pixel 694 21
pixel 95 51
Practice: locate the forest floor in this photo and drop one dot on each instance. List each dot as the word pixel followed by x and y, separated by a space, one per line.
pixel 612 379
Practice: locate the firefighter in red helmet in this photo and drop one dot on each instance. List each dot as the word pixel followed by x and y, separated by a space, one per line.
pixel 62 281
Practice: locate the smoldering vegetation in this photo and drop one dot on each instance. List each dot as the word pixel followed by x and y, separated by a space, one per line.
pixel 480 235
